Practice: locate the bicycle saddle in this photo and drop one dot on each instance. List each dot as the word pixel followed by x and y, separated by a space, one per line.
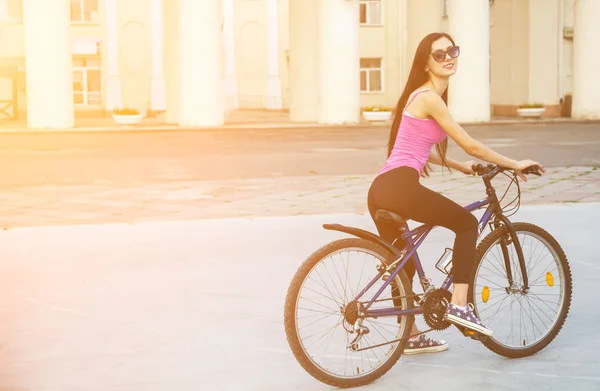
pixel 383 214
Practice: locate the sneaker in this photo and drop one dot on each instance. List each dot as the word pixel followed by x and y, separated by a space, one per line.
pixel 466 318
pixel 424 344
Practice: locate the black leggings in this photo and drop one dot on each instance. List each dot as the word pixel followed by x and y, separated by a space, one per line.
pixel 399 191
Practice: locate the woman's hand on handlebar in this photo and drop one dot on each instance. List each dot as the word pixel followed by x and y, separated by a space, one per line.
pixel 533 168
pixel 520 168
pixel 466 167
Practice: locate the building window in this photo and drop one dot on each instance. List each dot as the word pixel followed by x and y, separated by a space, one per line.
pixel 371 75
pixel 84 11
pixel 370 12
pixel 22 86
pixel 11 10
pixel 87 81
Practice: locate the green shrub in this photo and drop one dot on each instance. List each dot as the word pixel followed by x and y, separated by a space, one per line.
pixel 126 111
pixel 532 105
pixel 377 108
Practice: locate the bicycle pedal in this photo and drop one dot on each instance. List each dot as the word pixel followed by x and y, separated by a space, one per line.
pixel 477 336
pixel 466 331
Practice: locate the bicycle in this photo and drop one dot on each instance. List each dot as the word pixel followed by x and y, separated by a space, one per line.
pixel 356 311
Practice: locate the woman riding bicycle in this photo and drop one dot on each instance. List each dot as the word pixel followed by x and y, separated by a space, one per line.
pixel 421 120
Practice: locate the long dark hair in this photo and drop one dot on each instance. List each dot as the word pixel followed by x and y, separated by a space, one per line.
pixel 416 78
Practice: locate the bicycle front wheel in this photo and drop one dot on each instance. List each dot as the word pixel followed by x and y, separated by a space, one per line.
pixel 523 322
pixel 320 314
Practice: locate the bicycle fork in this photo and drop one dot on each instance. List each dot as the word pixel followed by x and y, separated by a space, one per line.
pixel 514 240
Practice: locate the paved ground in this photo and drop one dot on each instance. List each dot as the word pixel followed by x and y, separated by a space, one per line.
pixel 123 158
pixel 65 178
pixel 198 306
pixel 284 196
pixel 106 287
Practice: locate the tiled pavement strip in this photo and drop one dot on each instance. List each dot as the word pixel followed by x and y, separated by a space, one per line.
pixel 275 196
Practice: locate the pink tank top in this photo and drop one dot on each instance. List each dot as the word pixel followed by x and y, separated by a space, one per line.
pixel 414 141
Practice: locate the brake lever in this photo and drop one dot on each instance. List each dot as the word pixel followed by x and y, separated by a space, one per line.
pixel 478 169
pixel 532 170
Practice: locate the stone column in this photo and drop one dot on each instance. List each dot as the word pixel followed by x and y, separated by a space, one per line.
pixel 231 84
pixel 404 64
pixel 274 100
pixel 339 62
pixel 201 88
pixel 469 91
pixel 114 97
pixel 543 51
pixel 586 82
pixel 172 46
pixel 48 64
pixel 158 89
pixel 304 60
pixel 3 9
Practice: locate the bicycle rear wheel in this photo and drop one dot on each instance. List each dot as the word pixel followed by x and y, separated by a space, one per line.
pixel 319 337
pixel 523 322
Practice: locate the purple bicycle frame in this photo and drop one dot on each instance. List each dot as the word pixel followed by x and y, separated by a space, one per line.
pixel 419 234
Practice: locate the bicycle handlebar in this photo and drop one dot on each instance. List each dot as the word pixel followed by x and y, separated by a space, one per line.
pixel 492 170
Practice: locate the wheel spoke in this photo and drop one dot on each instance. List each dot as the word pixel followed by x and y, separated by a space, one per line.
pixel 339 300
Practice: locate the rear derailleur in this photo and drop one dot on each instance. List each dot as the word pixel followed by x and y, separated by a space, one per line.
pixel 353 322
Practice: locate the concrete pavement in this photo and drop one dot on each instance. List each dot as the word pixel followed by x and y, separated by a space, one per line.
pixel 259 197
pixel 160 261
pixel 198 305
pixel 126 159
pixel 52 179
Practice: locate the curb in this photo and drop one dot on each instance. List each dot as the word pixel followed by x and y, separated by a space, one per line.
pixel 285 125
pixel 533 122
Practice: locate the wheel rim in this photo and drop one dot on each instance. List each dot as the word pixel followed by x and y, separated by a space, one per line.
pixel 327 347
pixel 520 320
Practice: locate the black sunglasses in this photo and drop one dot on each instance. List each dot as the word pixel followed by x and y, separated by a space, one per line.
pixel 440 55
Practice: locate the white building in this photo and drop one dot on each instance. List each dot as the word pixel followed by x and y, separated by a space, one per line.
pixel 323 60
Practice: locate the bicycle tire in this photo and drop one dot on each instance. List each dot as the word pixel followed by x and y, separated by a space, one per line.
pixel 290 314
pixel 482 249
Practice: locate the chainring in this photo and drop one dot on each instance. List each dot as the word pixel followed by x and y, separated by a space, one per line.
pixel 434 307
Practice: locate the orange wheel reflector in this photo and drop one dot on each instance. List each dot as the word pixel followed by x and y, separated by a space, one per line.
pixel 485 294
pixel 549 279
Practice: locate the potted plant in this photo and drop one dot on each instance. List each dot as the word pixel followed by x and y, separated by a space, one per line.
pixel 127 116
pixel 374 113
pixel 531 110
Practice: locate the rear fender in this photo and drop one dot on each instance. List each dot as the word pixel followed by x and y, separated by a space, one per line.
pixel 361 233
